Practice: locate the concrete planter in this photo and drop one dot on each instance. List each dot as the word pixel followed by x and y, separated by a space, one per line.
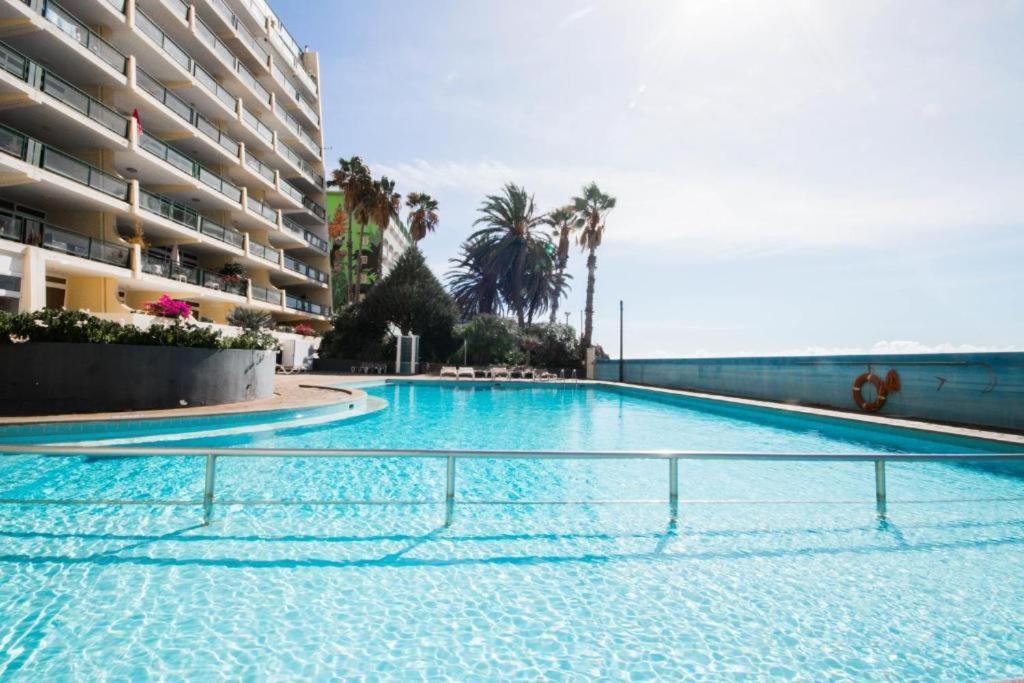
pixel 51 378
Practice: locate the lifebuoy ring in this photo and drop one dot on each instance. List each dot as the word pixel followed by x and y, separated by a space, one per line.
pixel 880 390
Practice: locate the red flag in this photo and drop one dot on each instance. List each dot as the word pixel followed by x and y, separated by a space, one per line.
pixel 138 121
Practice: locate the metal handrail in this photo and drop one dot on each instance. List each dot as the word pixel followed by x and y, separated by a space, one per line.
pixel 451 456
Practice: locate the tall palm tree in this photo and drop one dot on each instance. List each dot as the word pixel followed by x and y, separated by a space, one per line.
pixel 517 250
pixel 593 207
pixel 353 178
pixel 473 282
pixel 564 220
pixel 422 214
pixel 384 206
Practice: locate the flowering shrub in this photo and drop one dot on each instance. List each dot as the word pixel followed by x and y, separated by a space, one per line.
pixel 167 307
pixel 305 330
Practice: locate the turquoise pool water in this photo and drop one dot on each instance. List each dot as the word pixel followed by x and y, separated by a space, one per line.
pixel 775 570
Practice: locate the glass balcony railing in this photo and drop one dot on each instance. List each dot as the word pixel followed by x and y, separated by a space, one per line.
pixel 56 87
pixel 37 233
pixel 314 208
pixel 315 242
pixel 292 227
pixel 187 165
pixel 297 304
pixel 178 106
pixel 303 269
pixel 189 218
pixel 259 167
pixel 308 110
pixel 159 265
pixel 261 209
pixel 219 232
pixel 77 29
pixel 179 7
pixel 246 77
pixel 77 170
pixel 261 128
pixel 267 294
pixel 162 40
pixel 288 189
pixel 211 84
pixel 210 39
pixel 264 252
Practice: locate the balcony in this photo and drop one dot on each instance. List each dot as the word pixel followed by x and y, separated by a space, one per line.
pixel 188 218
pixel 266 294
pixel 43 80
pixel 259 168
pixel 317 243
pixel 297 304
pixel 264 252
pixel 43 156
pixel 260 129
pixel 161 266
pixel 314 208
pixel 300 134
pixel 260 209
pixel 289 190
pixel 79 32
pixel 190 167
pixel 239 32
pixel 39 234
pixel 300 164
pixel 303 269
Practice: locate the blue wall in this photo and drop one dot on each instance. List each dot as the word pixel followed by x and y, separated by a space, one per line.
pixel 982 389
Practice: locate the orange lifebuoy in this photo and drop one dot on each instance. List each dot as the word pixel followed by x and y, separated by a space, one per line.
pixel 880 390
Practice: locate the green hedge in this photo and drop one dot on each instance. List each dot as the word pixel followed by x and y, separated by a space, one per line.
pixel 77 327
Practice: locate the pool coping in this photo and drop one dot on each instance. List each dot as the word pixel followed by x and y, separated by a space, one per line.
pixel 876 420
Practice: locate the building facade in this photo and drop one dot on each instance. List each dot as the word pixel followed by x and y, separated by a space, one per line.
pixel 387 247
pixel 152 147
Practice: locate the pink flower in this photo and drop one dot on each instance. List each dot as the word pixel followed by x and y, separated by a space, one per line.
pixel 167 307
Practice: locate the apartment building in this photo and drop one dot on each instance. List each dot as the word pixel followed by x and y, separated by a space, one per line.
pixel 150 147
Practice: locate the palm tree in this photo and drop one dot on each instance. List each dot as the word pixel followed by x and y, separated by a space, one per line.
pixel 473 282
pixel 353 178
pixel 593 207
pixel 517 251
pixel 336 230
pixel 422 214
pixel 386 204
pixel 564 220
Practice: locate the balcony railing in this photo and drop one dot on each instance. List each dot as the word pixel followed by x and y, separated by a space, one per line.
pixel 157 264
pixel 315 208
pixel 240 30
pixel 261 128
pixel 56 87
pixel 58 162
pixel 291 226
pixel 316 242
pixel 267 294
pixel 189 218
pixel 288 189
pixel 162 40
pixel 258 207
pixel 298 304
pixel 189 166
pixel 263 251
pixel 72 26
pixel 178 106
pixel 246 77
pixel 211 84
pixel 303 269
pixel 37 233
pixel 259 167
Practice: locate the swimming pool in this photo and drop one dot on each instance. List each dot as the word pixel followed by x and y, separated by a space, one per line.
pixel 773 570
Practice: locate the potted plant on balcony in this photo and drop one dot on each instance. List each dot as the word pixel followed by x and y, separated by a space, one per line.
pixel 232 275
pixel 305 330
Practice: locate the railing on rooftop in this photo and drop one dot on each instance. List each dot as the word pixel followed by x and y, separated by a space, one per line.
pixel 79 31
pixel 48 236
pixel 211 457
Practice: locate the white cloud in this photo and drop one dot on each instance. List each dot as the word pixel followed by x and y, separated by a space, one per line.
pixel 573 17
pixel 706 214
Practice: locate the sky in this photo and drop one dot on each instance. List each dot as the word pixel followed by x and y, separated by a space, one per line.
pixel 791 177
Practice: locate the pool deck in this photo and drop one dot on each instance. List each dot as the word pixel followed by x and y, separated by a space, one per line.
pixel 315 389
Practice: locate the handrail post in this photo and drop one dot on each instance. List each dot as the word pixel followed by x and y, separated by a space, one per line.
pixel 211 470
pixel 449 492
pixel 880 497
pixel 673 489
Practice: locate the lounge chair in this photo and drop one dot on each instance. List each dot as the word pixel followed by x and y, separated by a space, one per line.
pixel 546 376
pixel 499 372
pixel 466 372
pixel 449 371
pixel 528 373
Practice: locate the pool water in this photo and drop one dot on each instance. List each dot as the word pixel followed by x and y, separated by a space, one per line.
pixel 774 570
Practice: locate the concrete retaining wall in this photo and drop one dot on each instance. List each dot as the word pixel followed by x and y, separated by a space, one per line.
pixel 50 378
pixel 980 389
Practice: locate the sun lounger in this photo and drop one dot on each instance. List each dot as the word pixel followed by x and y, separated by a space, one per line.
pixel 449 371
pixel 499 373
pixel 466 372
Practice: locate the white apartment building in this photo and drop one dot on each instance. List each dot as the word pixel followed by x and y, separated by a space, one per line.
pixel 396 241
pixel 147 144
